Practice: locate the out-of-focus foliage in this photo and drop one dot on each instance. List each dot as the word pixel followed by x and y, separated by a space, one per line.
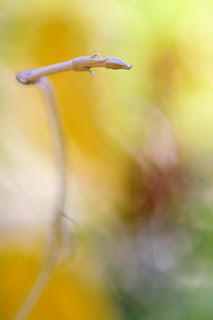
pixel 140 179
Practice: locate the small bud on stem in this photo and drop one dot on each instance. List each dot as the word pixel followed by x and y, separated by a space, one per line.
pixel 77 64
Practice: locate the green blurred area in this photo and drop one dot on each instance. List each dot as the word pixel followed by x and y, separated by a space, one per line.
pixel 140 175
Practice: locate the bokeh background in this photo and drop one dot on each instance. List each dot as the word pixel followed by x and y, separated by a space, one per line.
pixel 140 159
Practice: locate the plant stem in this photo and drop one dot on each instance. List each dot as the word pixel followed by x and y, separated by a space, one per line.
pixel 38 76
pixel 55 238
pixel 77 64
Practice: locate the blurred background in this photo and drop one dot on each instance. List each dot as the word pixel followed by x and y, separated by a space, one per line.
pixel 140 159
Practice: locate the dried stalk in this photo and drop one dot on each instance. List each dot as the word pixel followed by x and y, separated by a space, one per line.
pixel 56 240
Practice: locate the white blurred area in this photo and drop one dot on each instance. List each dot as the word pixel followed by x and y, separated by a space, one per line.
pixel 28 176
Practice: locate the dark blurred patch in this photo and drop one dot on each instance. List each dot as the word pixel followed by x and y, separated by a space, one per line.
pixel 154 191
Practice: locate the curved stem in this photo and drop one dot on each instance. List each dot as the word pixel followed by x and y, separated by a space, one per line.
pixel 59 144
pixel 55 239
pixel 57 231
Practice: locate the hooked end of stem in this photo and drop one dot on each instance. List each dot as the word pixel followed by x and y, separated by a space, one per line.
pixel 23 77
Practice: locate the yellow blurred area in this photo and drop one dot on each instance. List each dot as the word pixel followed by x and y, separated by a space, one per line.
pixel 66 296
pixel 128 133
